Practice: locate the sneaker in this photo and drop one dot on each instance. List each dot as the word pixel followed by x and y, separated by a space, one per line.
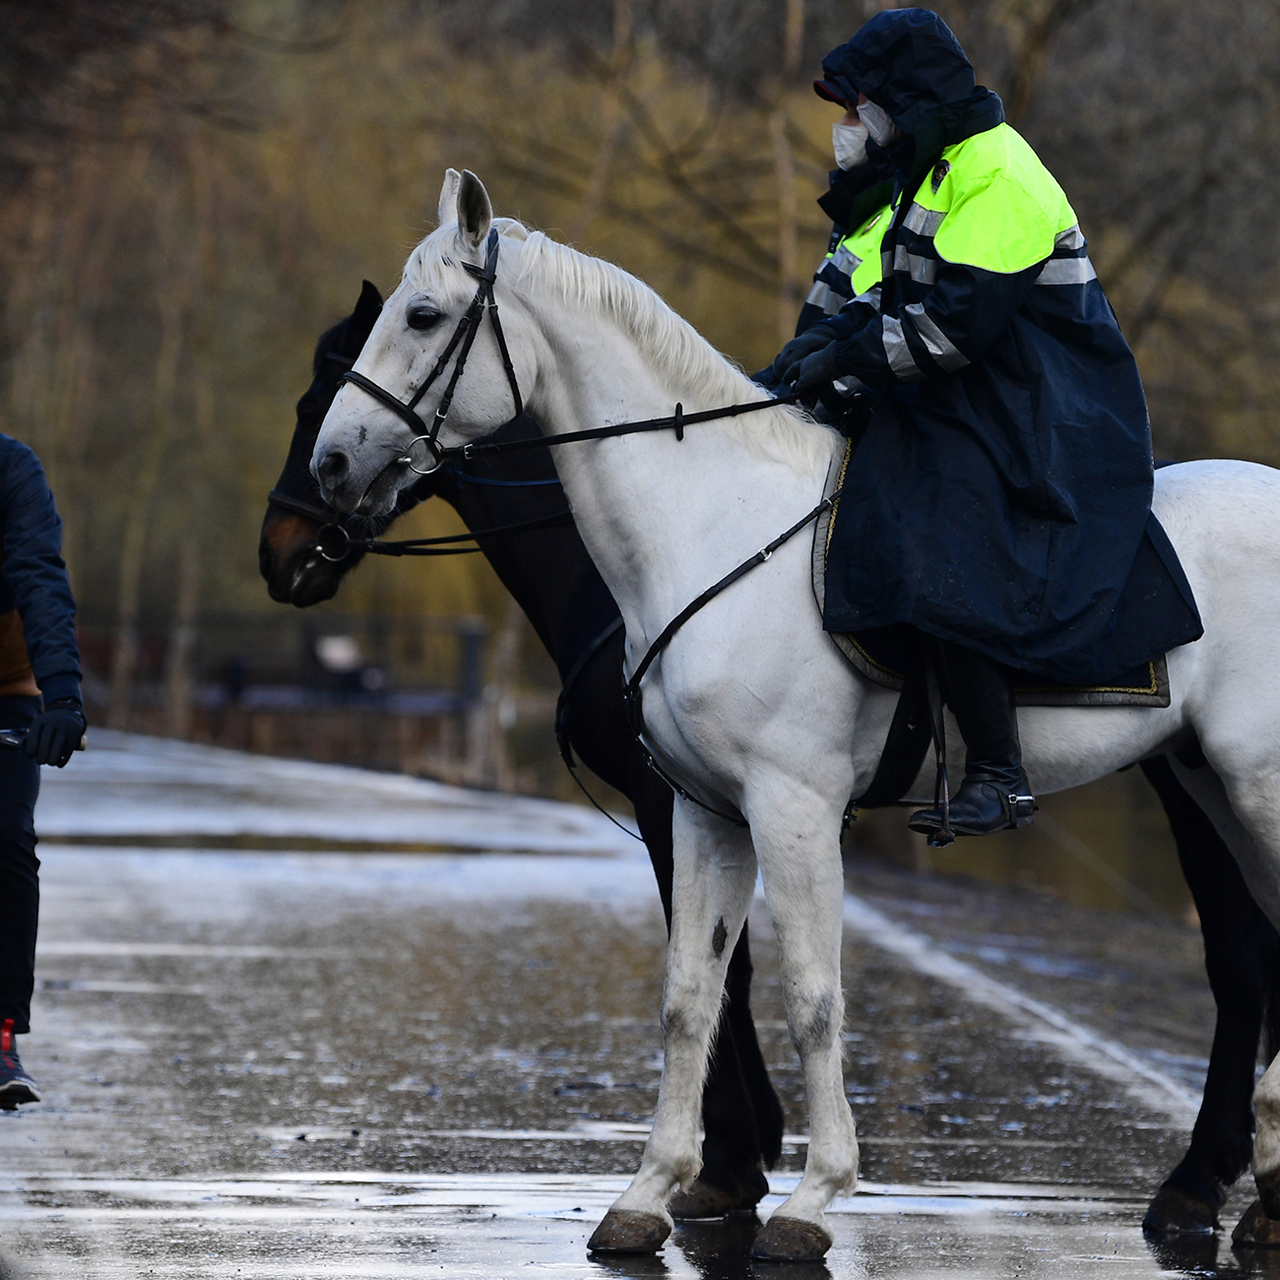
pixel 15 1085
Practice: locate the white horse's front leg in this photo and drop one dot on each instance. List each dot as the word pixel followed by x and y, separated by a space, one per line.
pixel 798 845
pixel 715 875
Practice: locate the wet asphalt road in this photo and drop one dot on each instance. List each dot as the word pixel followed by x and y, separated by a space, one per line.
pixel 310 1064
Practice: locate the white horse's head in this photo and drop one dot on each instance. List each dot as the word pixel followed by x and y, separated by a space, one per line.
pixel 368 449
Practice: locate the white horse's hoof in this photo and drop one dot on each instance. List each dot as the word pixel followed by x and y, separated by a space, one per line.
pixel 627 1231
pixel 791 1240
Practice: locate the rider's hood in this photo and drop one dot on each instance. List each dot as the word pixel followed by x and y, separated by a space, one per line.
pixel 908 62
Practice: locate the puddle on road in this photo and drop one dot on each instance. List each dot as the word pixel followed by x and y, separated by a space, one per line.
pixel 482 1067
pixel 490 1226
pixel 482 1223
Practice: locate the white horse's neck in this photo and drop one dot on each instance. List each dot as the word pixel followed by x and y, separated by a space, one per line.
pixel 662 518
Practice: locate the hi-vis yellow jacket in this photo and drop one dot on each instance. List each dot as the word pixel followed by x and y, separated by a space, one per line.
pixel 1000 495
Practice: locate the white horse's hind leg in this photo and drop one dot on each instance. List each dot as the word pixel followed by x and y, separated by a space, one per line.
pixel 1248 819
pixel 798 845
pixel 715 876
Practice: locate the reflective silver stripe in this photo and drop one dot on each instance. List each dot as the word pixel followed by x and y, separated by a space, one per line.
pixel 936 343
pixel 896 352
pixel 848 386
pixel 824 296
pixel 845 261
pixel 1067 271
pixel 1069 239
pixel 871 297
pixel 921 270
pixel 924 222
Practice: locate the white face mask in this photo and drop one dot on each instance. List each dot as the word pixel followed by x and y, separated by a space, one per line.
pixel 849 142
pixel 884 133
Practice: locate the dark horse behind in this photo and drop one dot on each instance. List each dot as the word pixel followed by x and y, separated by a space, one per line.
pixel 548 571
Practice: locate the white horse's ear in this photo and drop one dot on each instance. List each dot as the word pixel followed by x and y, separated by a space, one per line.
pixel 448 205
pixel 475 213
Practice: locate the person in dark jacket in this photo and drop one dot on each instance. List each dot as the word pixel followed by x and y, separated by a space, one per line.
pixel 39 693
pixel 998 499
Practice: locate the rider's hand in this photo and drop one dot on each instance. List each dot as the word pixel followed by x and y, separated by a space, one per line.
pixel 789 358
pixel 55 733
pixel 816 371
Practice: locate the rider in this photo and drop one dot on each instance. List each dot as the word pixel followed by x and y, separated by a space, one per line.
pixel 39 692
pixel 1004 475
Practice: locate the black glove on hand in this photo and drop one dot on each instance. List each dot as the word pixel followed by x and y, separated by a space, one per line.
pixel 818 370
pixel 811 340
pixel 55 733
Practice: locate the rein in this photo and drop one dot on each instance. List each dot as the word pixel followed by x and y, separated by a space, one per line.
pixel 676 421
pixel 333 542
pixel 312 511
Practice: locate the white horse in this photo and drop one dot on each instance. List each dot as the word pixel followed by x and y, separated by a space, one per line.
pixel 752 707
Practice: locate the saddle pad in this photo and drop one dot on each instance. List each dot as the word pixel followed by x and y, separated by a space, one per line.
pixel 888 656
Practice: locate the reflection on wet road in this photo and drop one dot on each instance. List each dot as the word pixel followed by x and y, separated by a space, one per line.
pixel 332 1064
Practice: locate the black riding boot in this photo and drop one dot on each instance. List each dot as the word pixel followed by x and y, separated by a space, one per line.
pixel 994 794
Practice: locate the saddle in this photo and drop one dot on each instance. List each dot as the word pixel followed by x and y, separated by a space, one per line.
pixel 896 658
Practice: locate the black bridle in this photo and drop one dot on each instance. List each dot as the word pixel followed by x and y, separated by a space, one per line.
pixel 461 341
pixel 464 335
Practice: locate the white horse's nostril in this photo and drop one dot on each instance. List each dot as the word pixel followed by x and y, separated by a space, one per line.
pixel 333 469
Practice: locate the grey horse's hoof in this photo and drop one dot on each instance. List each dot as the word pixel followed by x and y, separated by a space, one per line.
pixel 1177 1212
pixel 626 1231
pixel 1255 1230
pixel 703 1200
pixel 790 1240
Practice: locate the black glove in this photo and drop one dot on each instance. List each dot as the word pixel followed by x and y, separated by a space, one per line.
pixel 811 340
pixel 818 370
pixel 55 733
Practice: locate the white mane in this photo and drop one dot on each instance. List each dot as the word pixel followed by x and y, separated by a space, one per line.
pixel 677 352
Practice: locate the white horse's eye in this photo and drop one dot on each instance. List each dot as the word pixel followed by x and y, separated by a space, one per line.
pixel 419 315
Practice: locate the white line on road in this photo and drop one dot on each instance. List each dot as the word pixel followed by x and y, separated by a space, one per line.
pixel 1041 1022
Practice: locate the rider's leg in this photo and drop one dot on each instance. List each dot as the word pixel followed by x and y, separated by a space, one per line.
pixel 994 794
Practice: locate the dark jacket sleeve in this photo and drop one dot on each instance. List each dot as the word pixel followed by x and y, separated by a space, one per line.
pixel 34 572
pixel 965 312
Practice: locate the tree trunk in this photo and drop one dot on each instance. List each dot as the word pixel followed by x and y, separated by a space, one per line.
pixel 613 127
pixel 184 636
pixel 124 660
pixel 788 250
pixel 785 173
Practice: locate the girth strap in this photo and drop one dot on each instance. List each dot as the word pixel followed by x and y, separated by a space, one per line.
pixel 904 748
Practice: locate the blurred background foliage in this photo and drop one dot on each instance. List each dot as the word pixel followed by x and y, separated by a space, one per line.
pixel 194 189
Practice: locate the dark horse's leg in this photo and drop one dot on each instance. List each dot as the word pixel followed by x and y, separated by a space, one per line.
pixel 742 1116
pixel 1242 956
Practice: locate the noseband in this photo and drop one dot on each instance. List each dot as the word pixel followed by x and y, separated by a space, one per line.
pixel 463 336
